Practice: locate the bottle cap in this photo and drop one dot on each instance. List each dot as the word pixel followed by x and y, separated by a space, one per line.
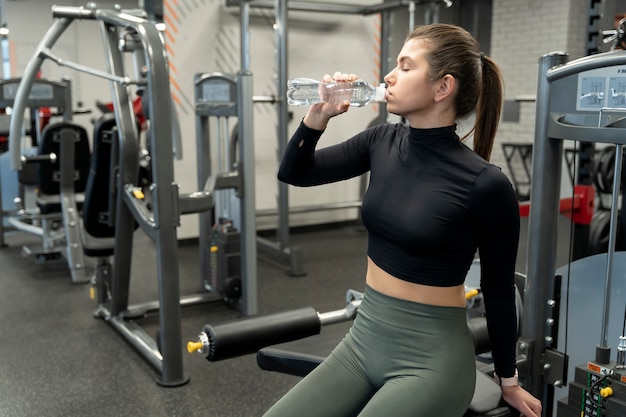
pixel 380 93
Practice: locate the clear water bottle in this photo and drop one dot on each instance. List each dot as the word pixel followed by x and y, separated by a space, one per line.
pixel 305 91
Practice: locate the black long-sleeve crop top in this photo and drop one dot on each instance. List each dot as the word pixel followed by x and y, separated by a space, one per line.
pixel 430 205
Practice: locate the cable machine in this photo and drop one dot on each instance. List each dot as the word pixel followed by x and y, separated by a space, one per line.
pixel 568 108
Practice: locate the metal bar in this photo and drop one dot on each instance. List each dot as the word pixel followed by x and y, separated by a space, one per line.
pixel 71 221
pixel 313 208
pixel 72 12
pixel 603 349
pixel 165 198
pixel 203 163
pixel 337 8
pixel 30 73
pixel 341 315
pixel 247 200
pixel 283 117
pixel 619 150
pixel 542 233
pixel 128 150
pixel 139 340
pixel 244 15
pixel 135 310
pixel 46 53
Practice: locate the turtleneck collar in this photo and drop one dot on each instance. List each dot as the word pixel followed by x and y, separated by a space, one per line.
pixel 430 135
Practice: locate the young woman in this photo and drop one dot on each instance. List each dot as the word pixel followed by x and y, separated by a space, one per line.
pixel 431 204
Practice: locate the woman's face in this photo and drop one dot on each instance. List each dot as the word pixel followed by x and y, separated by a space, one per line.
pixel 410 91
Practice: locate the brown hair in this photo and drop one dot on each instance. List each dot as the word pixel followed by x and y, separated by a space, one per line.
pixel 480 88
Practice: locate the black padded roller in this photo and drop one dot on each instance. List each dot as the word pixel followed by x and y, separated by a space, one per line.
pixel 245 336
pixel 478 328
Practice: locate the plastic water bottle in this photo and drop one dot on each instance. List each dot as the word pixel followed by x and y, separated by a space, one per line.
pixel 305 91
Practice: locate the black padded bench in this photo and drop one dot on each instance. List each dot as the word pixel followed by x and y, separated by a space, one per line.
pixel 302 356
pixel 50 175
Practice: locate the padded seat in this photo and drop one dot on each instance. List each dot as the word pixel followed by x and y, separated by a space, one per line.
pixel 51 204
pixel 98 233
pixel 49 172
pixel 302 356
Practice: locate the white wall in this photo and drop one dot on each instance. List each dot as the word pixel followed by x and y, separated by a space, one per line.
pixel 29 20
pixel 205 37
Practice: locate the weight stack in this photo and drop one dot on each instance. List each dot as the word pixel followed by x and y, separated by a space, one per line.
pixel 581 403
pixel 225 261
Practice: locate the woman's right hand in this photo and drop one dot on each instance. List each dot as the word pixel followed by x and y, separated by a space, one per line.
pixel 319 114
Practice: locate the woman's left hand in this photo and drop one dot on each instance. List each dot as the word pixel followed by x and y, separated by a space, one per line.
pixel 522 401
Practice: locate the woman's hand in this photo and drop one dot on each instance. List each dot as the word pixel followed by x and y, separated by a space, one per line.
pixel 319 114
pixel 522 401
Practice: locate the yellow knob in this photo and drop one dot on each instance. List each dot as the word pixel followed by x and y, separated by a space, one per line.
pixel 194 346
pixel 471 293
pixel 92 293
pixel 606 392
pixel 138 194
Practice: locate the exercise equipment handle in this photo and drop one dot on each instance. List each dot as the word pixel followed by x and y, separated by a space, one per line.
pixel 245 336
pixel 50 157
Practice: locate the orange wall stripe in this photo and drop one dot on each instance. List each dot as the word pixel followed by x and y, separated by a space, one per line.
pixel 174 83
pixel 171 10
pixel 169 50
pixel 172 67
pixel 170 24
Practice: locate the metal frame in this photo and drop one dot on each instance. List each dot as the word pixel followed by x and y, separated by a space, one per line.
pixel 557 119
pixel 130 32
pixel 280 250
pixel 233 177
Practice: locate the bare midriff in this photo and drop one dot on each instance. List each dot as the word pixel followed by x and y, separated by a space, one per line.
pixel 387 284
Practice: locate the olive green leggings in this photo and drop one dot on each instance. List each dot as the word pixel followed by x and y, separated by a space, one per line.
pixel 400 359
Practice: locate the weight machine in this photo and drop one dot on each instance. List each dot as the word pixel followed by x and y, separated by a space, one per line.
pixel 575 101
pixel 291 342
pixel 155 209
pixel 54 175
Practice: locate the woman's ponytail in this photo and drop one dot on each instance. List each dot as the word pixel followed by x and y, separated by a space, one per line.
pixel 488 108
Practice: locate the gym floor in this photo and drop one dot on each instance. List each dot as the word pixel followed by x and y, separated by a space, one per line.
pixel 56 359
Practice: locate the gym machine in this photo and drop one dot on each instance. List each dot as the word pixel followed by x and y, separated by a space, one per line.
pixel 157 214
pixel 219 240
pixel 291 342
pixel 242 337
pixel 580 101
pixel 55 166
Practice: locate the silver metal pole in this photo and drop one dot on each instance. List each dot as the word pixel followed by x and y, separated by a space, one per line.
pixel 324 7
pixel 246 156
pixel 603 350
pixel 542 230
pixel 283 120
pixel 21 96
pixel 619 148
pixel 248 212
pixel 245 35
